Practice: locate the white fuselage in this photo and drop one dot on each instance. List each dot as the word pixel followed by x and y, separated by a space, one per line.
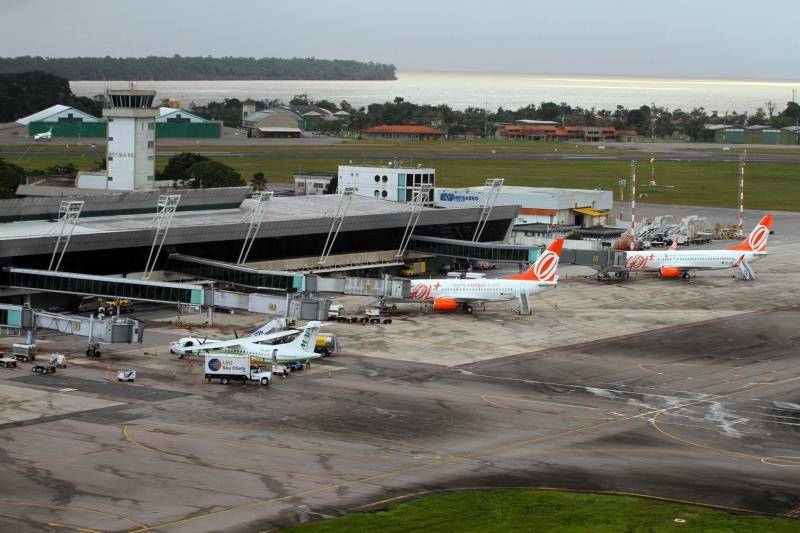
pixel 688 259
pixel 475 289
pixel 285 353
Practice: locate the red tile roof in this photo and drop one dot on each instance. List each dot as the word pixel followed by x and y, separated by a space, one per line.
pixel 418 130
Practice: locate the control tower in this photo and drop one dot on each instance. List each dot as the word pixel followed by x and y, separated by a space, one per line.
pixel 130 157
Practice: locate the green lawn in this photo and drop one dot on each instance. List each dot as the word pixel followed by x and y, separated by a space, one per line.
pixel 546 511
pixel 769 186
pixel 774 186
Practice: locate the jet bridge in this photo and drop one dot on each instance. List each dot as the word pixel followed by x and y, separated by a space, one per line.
pixel 239 275
pixel 15 318
pixel 103 286
pixel 474 250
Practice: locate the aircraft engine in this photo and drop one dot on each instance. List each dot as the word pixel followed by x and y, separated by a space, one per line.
pixel 445 304
pixel 670 272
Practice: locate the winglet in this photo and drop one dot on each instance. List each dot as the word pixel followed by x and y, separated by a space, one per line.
pixel 544 269
pixel 757 240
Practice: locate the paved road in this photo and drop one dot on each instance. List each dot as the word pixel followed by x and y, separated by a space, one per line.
pixel 356 155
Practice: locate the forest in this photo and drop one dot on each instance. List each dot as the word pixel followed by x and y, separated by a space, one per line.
pixel 199 68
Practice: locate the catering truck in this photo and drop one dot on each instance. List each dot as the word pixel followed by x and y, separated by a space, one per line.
pixel 229 368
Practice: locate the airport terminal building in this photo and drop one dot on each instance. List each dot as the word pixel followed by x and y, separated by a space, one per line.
pixel 212 224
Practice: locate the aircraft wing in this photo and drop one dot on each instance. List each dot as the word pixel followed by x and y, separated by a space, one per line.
pixel 230 343
pixel 269 336
pixel 213 345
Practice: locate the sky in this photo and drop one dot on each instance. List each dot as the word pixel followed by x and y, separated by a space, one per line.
pixel 737 39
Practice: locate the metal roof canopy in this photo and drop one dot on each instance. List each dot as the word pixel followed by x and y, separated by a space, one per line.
pixel 104 286
pixel 474 250
pixel 589 211
pixel 240 275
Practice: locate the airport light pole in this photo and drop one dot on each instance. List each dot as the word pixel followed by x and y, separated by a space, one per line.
pixel 633 204
pixel 741 193
pixel 622 183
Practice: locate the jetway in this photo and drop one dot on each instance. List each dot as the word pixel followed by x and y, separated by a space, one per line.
pixel 239 275
pixel 102 286
pixel 110 330
pixel 474 250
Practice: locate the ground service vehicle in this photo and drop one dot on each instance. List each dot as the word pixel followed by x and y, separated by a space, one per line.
pixel 43 368
pixel 229 368
pixel 126 375
pixel 8 362
pixel 58 360
pixel 25 352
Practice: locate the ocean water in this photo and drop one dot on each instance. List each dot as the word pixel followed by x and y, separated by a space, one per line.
pixel 510 91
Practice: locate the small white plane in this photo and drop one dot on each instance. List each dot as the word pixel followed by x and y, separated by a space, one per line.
pixel 44 136
pixel 301 349
pixel 449 294
pixel 674 263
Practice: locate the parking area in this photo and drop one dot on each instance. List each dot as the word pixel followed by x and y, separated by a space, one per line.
pixel 687 390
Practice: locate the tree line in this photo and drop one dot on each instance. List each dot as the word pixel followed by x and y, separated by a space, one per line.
pixel 648 121
pixel 199 68
pixel 28 92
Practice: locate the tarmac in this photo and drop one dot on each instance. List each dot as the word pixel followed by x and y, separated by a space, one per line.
pixel 674 389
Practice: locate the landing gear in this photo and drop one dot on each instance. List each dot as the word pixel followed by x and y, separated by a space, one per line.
pixel 685 275
pixel 467 308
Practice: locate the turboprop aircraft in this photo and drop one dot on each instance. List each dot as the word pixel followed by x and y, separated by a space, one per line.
pixel 300 349
pixel 449 294
pixel 674 263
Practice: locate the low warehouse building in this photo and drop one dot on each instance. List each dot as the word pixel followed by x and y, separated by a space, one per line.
pixel 403 133
pixel 179 124
pixel 547 205
pixel 64 121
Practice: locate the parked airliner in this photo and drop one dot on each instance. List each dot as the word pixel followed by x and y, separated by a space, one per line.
pixel 449 294
pixel 675 263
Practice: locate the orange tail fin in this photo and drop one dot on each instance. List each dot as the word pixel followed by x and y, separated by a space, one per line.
pixel 544 269
pixel 757 240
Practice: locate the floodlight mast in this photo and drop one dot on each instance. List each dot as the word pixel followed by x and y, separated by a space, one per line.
pixel 417 204
pixel 491 192
pixel 167 205
pixel 254 216
pixel 336 223
pixel 68 214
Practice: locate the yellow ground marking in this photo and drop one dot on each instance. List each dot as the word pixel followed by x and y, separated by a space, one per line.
pixel 72 508
pixel 650 369
pixel 526 410
pixel 284 498
pixel 239 442
pixel 491 451
pixel 186 459
pixel 259 425
pixel 744 455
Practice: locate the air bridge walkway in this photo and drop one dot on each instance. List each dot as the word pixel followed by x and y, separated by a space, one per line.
pixel 239 275
pixel 102 286
pixel 474 250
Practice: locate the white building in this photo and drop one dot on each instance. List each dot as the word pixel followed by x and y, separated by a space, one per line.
pixel 546 205
pixel 393 182
pixel 130 156
pixel 311 183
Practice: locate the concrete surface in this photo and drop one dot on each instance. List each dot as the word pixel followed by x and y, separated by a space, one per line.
pixel 686 390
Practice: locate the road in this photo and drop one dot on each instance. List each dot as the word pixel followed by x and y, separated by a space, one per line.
pixel 387 155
